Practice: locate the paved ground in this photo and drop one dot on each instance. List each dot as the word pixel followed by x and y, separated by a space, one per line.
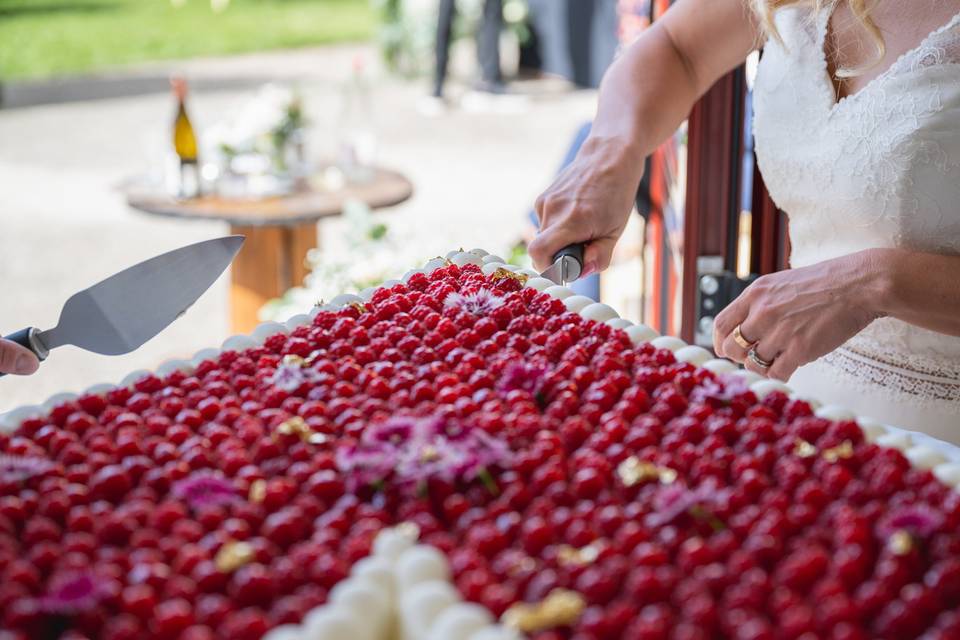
pixel 63 226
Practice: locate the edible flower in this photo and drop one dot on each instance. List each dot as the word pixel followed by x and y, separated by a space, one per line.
pixel 673 501
pixel 289 377
pixel 71 593
pixel 411 450
pixel 479 303
pixel 919 520
pixel 17 469
pixel 524 376
pixel 205 488
pixel 720 391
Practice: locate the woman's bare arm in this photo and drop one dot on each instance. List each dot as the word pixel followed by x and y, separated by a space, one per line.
pixel 644 96
pixel 920 288
pixel 651 88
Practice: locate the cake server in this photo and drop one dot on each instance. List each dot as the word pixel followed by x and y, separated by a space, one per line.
pixel 120 313
pixel 567 265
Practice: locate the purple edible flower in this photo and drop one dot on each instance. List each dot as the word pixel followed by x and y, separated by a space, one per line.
pixel 719 392
pixel 920 521
pixel 289 377
pixel 676 500
pixel 365 464
pixel 423 459
pixel 71 593
pixel 410 450
pixel 205 488
pixel 17 469
pixel 525 376
pixel 479 303
pixel 394 431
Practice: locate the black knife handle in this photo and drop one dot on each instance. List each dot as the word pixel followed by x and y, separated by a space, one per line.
pixel 574 251
pixel 28 338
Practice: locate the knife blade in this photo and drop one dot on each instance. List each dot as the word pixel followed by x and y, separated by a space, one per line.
pixel 567 265
pixel 119 314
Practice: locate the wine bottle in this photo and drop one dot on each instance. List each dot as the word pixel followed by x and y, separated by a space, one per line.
pixel 185 144
pixel 357 145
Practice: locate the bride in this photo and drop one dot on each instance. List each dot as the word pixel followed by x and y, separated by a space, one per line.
pixel 857 130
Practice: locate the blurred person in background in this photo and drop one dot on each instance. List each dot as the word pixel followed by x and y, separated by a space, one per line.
pixel 488 46
pixel 633 18
pixel 16 359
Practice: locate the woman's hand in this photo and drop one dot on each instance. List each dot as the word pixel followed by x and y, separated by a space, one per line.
pixel 796 316
pixel 590 201
pixel 17 359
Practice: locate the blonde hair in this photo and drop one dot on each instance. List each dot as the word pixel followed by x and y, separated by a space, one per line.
pixel 765 9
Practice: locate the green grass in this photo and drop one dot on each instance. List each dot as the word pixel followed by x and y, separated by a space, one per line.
pixel 41 38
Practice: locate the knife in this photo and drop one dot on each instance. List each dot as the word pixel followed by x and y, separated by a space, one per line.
pixel 119 314
pixel 567 265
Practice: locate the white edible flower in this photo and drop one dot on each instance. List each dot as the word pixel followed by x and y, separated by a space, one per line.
pixel 480 303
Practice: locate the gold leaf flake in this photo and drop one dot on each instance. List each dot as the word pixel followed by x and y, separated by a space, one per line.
pixel 839 452
pixel 571 556
pixel 502 273
pixel 804 449
pixel 258 491
pixel 297 426
pixel 900 543
pixel 293 360
pixel 293 426
pixel 359 306
pixel 233 555
pixel 562 608
pixel 527 565
pixel 667 475
pixel 635 471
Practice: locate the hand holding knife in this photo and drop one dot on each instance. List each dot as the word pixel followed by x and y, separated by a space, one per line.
pixel 567 265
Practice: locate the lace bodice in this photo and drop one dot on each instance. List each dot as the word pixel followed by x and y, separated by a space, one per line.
pixel 880 168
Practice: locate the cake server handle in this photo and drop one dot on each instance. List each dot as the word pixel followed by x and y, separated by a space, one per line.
pixel 29 338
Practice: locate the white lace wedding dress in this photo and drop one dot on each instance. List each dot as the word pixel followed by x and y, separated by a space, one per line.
pixel 880 168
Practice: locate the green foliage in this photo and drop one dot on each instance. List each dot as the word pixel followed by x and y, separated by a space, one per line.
pixel 518 254
pixel 53 37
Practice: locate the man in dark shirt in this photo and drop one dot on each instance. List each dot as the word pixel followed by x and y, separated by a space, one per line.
pixel 488 45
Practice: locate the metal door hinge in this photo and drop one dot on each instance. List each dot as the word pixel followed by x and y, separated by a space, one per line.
pixel 716 288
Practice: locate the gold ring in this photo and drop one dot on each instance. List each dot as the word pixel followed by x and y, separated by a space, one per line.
pixel 740 340
pixel 757 360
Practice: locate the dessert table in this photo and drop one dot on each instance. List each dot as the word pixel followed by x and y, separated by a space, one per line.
pixel 280 230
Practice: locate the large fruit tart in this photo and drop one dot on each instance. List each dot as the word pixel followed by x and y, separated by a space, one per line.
pixel 469 454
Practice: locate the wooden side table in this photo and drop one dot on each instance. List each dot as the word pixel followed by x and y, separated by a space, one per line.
pixel 279 231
